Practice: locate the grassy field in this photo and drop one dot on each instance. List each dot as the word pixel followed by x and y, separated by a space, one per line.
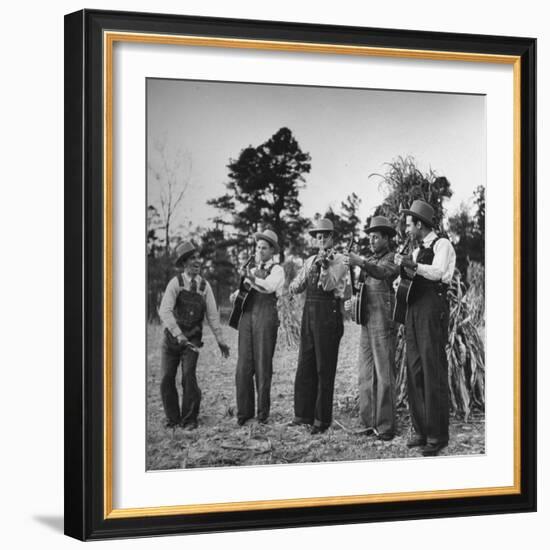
pixel 219 441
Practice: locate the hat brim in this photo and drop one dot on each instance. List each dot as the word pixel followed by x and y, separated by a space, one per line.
pixel 419 216
pixel 312 231
pixel 383 228
pixel 181 259
pixel 262 237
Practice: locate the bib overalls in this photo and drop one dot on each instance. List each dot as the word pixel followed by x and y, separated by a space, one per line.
pixel 189 312
pixel 322 329
pixel 427 368
pixel 257 338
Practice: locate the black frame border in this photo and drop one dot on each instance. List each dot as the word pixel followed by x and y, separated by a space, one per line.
pixel 84 254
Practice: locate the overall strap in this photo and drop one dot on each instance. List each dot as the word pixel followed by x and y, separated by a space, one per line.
pixel 180 280
pixel 202 286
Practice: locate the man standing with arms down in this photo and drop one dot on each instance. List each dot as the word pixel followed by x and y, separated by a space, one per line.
pixel 187 300
pixel 258 330
pixel 432 265
pixel 376 363
pixel 323 277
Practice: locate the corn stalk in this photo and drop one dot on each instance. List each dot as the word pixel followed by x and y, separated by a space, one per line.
pixel 290 310
pixel 290 317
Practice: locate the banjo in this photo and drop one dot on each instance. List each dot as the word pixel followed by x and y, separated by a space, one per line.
pixel 358 296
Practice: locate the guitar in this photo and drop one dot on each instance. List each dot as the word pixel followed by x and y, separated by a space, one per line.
pixel 403 290
pixel 240 300
pixel 358 296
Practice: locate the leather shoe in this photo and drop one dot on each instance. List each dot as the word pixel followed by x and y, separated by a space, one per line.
pixel 432 449
pixel 191 425
pixel 385 437
pixel 241 421
pixel 293 423
pixel 416 441
pixel 317 430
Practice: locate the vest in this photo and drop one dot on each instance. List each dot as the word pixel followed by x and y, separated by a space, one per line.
pixel 190 309
pixel 255 297
pixel 421 284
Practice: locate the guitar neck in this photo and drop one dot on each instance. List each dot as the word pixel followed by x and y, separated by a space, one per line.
pixel 243 277
pixel 405 247
pixel 351 273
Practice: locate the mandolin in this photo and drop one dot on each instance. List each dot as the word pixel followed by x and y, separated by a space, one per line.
pixel 358 296
pixel 240 300
pixel 403 292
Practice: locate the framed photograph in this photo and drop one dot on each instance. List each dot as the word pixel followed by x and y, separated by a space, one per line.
pixel 300 271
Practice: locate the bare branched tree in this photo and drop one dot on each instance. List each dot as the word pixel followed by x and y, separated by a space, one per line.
pixel 172 172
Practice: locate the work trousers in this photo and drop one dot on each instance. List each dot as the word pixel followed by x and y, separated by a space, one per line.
pixel 322 329
pixel 427 368
pixel 171 357
pixel 376 363
pixel 257 338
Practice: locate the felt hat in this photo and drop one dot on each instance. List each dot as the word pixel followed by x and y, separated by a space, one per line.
pixel 323 224
pixel 269 236
pixel 184 250
pixel 421 210
pixel 381 223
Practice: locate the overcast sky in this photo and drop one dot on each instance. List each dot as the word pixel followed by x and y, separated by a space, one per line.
pixel 349 133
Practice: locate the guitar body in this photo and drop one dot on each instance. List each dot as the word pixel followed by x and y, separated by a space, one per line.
pixel 403 292
pixel 402 300
pixel 238 308
pixel 240 302
pixel 358 296
pixel 359 305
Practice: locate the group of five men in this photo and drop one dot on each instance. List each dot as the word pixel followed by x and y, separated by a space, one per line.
pixel 323 277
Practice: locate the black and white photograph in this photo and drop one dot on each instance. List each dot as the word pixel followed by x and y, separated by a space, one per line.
pixel 315 274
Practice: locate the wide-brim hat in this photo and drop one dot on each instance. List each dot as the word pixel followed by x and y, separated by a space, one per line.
pixel 184 250
pixel 422 210
pixel 381 223
pixel 270 237
pixel 321 225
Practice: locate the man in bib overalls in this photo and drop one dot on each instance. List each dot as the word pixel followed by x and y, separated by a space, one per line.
pixel 376 363
pixel 432 265
pixel 323 277
pixel 187 300
pixel 258 328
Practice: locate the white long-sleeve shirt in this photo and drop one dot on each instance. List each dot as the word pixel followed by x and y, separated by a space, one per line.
pixel 443 265
pixel 274 282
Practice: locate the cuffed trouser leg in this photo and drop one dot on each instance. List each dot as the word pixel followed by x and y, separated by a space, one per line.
pixel 382 344
pixel 427 374
pixel 327 333
pixel 367 381
pixel 265 338
pixel 244 376
pixel 169 361
pixel 191 395
pixel 415 377
pixel 305 383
